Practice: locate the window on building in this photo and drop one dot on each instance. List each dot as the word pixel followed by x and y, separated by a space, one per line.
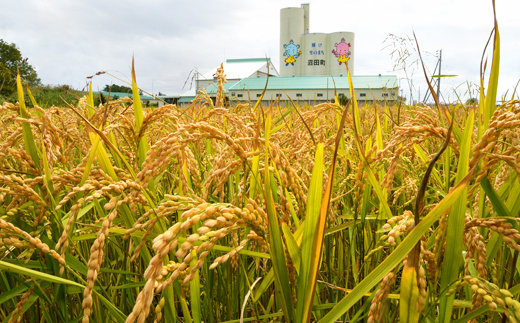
pixel 341 94
pixel 278 95
pixel 385 94
pixel 232 93
pixel 362 94
pixel 319 95
pixel 299 95
pixel 239 95
pixel 258 95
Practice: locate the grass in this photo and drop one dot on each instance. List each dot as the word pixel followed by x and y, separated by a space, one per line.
pixel 116 212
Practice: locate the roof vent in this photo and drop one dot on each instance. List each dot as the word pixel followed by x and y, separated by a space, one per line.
pixel 293 75
pixel 341 74
pixel 379 74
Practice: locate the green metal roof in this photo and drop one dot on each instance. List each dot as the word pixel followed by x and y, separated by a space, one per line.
pixel 247 60
pixel 123 95
pixel 212 88
pixel 316 82
pixel 186 99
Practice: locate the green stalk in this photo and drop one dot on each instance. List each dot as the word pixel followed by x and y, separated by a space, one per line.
pixel 455 227
pixel 276 248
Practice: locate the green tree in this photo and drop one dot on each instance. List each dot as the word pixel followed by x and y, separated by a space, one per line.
pixel 117 88
pixel 471 101
pixel 11 60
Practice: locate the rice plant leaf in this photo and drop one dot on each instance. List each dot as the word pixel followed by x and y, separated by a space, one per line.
pixel 94 135
pixel 138 113
pixel 30 302
pixel 274 130
pixel 398 254
pixel 491 95
pixel 268 279
pixel 9 294
pixel 292 247
pixel 266 282
pixel 498 205
pixel 455 227
pixel 196 309
pixel 422 155
pixel 185 310
pixel 90 160
pixel 457 134
pixel 387 213
pixel 281 275
pixel 409 295
pixel 317 224
pixel 33 100
pixel 312 218
pixel 28 138
pixel 473 314
pixel 37 274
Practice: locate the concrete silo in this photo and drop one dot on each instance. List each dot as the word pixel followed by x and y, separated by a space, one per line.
pixel 292 25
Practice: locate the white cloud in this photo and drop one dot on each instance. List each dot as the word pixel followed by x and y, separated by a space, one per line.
pixel 69 40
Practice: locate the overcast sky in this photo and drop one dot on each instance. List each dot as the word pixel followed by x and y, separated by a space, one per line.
pixel 67 40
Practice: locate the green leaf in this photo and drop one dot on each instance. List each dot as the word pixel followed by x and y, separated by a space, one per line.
pixel 195 291
pixel 397 255
pixel 281 275
pixel 28 138
pixel 312 218
pixel 138 112
pixel 455 227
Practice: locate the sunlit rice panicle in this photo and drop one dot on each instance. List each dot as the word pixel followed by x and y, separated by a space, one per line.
pixel 14 236
pixel 95 261
pixel 377 306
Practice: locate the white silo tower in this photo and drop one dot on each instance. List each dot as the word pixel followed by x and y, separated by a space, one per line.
pixel 292 27
pixel 312 54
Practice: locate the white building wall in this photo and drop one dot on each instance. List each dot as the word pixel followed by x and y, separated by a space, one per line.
pixel 314 96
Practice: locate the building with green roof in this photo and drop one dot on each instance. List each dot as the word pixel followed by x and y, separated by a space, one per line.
pixel 315 89
pixel 313 68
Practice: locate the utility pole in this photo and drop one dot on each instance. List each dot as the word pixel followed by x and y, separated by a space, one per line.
pixel 411 86
pixel 439 78
pixel 428 92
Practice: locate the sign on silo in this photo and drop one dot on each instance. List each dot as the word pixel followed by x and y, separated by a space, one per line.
pixel 315 54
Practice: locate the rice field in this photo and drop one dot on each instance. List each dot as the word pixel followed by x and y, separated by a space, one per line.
pixel 248 213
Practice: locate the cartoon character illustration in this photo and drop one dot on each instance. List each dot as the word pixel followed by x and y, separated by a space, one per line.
pixel 342 51
pixel 292 53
